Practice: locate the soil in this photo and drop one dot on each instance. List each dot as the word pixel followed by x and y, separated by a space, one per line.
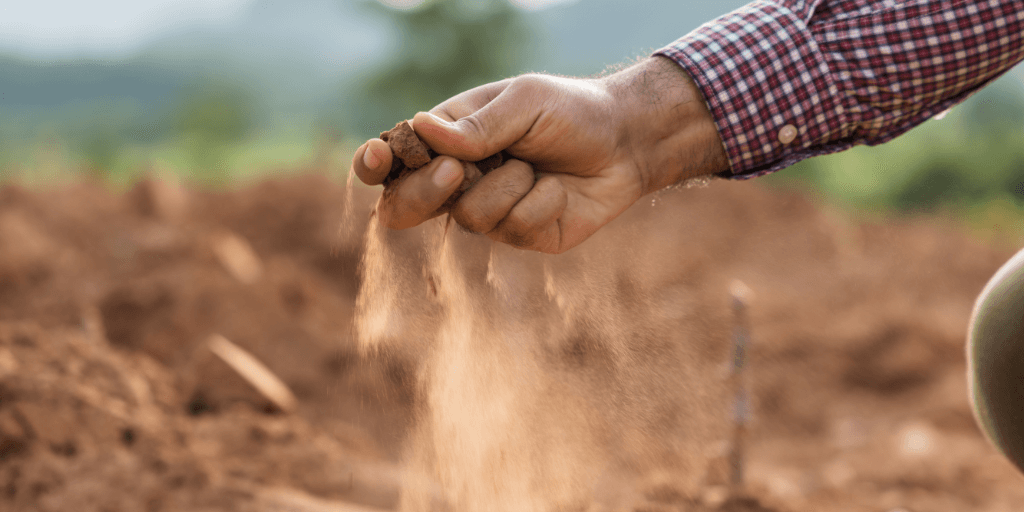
pixel 111 400
pixel 412 153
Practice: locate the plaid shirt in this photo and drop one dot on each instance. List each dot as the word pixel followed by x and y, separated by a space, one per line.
pixel 790 79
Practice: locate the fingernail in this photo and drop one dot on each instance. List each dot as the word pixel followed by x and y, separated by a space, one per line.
pixel 447 174
pixel 371 159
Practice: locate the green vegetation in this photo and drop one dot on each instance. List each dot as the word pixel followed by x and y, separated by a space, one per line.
pixel 209 118
pixel 972 157
pixel 444 47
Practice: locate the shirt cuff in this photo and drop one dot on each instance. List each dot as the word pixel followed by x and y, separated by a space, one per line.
pixel 768 87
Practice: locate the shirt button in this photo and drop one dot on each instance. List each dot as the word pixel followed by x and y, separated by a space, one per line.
pixel 787 134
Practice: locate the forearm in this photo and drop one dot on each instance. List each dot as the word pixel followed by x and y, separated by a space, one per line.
pixel 666 122
pixel 786 80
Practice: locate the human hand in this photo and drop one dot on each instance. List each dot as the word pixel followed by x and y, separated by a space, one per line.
pixel 583 151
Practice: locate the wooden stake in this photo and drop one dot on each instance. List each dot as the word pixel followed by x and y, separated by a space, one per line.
pixel 741 296
pixel 254 372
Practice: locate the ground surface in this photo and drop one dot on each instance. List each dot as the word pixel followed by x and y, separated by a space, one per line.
pixel 110 400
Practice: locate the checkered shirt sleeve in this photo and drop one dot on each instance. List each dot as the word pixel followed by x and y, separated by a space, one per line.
pixel 790 79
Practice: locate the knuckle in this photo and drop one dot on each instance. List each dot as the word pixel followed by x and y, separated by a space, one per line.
pixel 517 230
pixel 530 82
pixel 558 248
pixel 513 190
pixel 519 179
pixel 474 125
pixel 550 184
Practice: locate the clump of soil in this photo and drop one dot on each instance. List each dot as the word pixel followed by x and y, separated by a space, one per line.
pixel 412 153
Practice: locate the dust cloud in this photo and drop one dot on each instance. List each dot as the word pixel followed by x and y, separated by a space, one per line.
pixel 572 382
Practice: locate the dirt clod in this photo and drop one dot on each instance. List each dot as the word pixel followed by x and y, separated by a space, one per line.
pixel 409 149
pixel 412 153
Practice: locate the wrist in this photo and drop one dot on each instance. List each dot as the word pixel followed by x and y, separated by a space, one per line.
pixel 665 124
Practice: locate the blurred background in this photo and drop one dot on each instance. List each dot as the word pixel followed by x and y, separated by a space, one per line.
pixel 223 90
pixel 119 294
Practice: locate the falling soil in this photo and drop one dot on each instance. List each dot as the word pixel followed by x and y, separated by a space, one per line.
pixel 606 366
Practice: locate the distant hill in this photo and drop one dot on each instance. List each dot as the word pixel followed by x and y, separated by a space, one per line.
pixel 290 52
pixel 296 51
pixel 26 85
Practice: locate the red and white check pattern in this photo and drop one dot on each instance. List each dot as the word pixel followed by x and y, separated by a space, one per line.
pixel 841 72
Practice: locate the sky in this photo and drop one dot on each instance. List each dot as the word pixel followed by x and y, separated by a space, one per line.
pixel 113 28
pixel 100 27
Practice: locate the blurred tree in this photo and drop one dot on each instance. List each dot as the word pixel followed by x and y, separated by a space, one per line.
pixel 998 109
pixel 218 112
pixel 97 132
pixel 100 149
pixel 6 146
pixel 444 47
pixel 211 116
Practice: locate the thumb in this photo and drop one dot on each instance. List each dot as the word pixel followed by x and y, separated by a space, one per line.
pixel 496 126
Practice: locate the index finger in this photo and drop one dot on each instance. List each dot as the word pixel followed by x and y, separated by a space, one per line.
pixel 372 162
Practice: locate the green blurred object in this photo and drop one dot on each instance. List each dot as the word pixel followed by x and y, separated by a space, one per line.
pixel 211 117
pixel 995 355
pixel 973 156
pixel 217 112
pixel 444 47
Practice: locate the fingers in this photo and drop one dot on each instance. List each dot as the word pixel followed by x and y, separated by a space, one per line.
pixel 533 221
pixel 491 128
pixel 493 196
pixel 511 208
pixel 506 203
pixel 372 162
pixel 417 197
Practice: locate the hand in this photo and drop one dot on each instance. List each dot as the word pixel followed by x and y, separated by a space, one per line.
pixel 583 151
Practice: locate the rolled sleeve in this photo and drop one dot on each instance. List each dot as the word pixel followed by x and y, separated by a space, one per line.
pixel 767 85
pixel 790 79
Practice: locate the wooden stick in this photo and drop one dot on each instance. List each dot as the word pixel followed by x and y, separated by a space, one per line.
pixel 282 499
pixel 741 296
pixel 254 372
pixel 238 257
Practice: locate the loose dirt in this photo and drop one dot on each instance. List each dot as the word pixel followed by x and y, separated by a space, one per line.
pixel 111 400
pixel 412 154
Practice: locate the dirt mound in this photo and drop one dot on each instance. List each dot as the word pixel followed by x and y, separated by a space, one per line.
pixel 111 400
